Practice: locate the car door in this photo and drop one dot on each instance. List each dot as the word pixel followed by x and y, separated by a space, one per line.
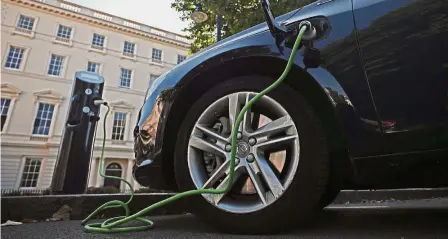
pixel 404 49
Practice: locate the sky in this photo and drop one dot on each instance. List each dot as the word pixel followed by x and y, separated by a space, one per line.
pixel 156 13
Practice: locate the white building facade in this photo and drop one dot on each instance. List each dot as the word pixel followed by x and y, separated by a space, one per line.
pixel 43 44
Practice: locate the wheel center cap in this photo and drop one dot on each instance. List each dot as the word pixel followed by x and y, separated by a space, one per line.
pixel 242 149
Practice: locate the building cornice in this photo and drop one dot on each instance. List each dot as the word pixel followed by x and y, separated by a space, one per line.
pixel 48 94
pixel 121 105
pixel 101 19
pixel 67 81
pixel 10 90
pixel 29 144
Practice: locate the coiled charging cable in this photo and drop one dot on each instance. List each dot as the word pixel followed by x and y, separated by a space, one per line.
pixel 112 225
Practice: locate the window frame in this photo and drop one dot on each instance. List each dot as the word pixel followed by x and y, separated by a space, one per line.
pixel 121 107
pixel 100 66
pixel 131 80
pixel 104 44
pixel 24 57
pixel 64 65
pixel 9 92
pixel 46 97
pixel 18 32
pixel 123 55
pixel 22 168
pixel 151 74
pixel 58 39
pixel 50 127
pixel 125 119
pixel 8 113
pixel 157 62
pixel 178 55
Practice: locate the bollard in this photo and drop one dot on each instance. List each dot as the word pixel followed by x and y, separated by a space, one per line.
pixel 75 150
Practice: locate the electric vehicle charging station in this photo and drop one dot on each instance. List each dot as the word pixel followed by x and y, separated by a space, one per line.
pixel 74 156
pixel 73 160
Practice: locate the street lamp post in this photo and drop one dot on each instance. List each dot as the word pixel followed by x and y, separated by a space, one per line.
pixel 218 26
pixel 200 16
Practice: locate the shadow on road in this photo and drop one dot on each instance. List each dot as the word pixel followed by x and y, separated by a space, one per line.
pixel 410 222
pixel 418 223
pixel 356 223
pixel 361 221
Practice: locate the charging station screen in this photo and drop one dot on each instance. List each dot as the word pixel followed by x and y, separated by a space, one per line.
pixel 89 77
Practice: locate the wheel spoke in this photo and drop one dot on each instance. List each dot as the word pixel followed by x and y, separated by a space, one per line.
pixel 274 143
pixel 234 109
pixel 279 125
pixel 256 181
pixel 210 133
pixel 217 198
pixel 247 120
pixel 206 146
pixel 218 174
pixel 274 184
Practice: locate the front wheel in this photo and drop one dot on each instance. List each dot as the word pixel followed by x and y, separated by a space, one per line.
pixel 282 160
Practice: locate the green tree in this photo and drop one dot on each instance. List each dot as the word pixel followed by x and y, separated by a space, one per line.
pixel 237 15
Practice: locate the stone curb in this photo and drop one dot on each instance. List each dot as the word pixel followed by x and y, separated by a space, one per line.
pixel 361 196
pixel 18 208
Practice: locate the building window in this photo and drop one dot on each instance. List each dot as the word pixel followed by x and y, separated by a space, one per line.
pixel 119 126
pixel 64 33
pixel 129 49
pixel 43 119
pixel 125 78
pixel 56 65
pixel 30 173
pixel 156 55
pixel 14 58
pixel 25 24
pixel 113 169
pixel 93 67
pixel 181 58
pixel 98 41
pixel 4 108
pixel 152 78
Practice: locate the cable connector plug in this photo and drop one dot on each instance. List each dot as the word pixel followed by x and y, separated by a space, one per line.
pixel 310 32
pixel 99 102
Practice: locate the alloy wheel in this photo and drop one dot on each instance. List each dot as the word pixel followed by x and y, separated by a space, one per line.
pixel 267 154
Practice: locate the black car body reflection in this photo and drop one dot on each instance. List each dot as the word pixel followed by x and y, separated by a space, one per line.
pixel 381 91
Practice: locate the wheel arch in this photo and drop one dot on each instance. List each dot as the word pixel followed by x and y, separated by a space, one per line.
pixel 194 87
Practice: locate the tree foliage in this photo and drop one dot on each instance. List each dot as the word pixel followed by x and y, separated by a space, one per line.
pixel 237 15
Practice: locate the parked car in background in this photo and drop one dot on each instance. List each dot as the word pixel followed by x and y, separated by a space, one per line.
pixel 372 115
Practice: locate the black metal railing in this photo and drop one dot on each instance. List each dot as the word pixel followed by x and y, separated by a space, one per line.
pixel 91 190
pixel 25 192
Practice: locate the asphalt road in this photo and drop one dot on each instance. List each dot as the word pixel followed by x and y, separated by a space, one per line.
pixel 403 219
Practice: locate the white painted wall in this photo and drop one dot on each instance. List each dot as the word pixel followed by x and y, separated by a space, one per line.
pixel 16 140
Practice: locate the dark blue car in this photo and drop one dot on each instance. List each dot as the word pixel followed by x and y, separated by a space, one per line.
pixel 365 106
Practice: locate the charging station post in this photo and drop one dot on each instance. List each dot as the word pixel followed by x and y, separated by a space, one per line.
pixel 75 151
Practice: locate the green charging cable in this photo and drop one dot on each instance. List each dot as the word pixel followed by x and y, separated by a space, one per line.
pixel 111 225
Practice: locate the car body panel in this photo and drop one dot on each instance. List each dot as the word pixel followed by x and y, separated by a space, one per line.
pixel 405 53
pixel 341 76
pixel 346 96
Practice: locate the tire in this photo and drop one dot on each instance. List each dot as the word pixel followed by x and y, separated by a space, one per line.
pixel 299 201
pixel 328 197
